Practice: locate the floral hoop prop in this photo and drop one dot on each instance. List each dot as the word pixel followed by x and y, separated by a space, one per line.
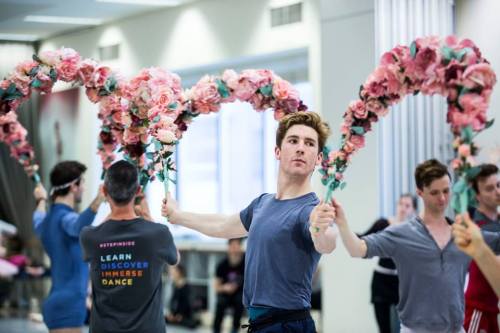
pixel 40 74
pixel 150 109
pixel 155 106
pixel 451 68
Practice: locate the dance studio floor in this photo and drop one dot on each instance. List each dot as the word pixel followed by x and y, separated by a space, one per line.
pixel 20 325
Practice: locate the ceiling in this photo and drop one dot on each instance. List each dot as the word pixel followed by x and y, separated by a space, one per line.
pixel 14 13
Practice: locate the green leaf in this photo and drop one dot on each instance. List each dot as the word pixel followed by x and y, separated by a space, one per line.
pixel 460 54
pixel 53 74
pixel 460 186
pixel 472 172
pixel 266 90
pixel 467 134
pixel 161 177
pixel 343 185
pixel 2 92
pixel 489 123
pixel 455 202
pixel 413 49
pixel 35 57
pixel 447 52
pixel 464 201
pixel 34 71
pixel 358 130
pixel 150 155
pixel 12 93
pixel 110 84
pixel 11 89
pixel 173 106
pixel 157 144
pixel 222 88
pixel 463 90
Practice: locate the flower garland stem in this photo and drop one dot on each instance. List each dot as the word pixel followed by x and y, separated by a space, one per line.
pixel 36 178
pixel 165 181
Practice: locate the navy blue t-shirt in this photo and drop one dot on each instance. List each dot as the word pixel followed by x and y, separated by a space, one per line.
pixel 280 258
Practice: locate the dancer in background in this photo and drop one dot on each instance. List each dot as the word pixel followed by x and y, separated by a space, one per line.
pixel 481 302
pixel 431 269
pixel 385 283
pixel 59 229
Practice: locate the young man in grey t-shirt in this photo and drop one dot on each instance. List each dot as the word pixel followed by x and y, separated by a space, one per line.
pixel 284 244
pixel 127 255
pixel 430 267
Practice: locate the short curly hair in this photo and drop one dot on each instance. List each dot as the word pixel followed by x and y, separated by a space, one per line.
pixel 428 171
pixel 307 118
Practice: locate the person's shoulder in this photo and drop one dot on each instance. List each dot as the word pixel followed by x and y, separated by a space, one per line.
pixel 402 228
pixel 87 233
pixel 154 228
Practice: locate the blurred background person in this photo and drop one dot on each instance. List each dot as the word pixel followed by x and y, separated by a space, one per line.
pixel 385 283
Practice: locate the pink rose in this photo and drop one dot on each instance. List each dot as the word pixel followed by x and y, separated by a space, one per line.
pixel 245 90
pixel 384 81
pixel 338 154
pixel 86 70
pixel 375 106
pixel 205 96
pixel 67 68
pixel 456 163
pixel 26 66
pixel 358 141
pixel 100 76
pixel 284 90
pixel 464 150
pixel 67 71
pixel 473 104
pixel 50 58
pixel 345 129
pixel 358 109
pixel 93 95
pixel 451 41
pixel 165 136
pixel 479 74
pixel 348 147
pixel 231 78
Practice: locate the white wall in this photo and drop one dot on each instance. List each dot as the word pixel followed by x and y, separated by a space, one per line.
pixel 347 58
pixel 478 20
pixel 197 34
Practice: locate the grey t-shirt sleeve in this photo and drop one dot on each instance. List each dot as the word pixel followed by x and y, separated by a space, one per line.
pixel 493 240
pixel 246 215
pixel 167 249
pixel 381 244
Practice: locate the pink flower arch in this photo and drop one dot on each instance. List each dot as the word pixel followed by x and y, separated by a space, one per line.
pixel 452 68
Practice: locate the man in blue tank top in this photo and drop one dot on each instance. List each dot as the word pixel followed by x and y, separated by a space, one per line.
pixel 287 231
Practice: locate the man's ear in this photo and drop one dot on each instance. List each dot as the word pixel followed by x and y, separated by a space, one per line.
pixel 277 152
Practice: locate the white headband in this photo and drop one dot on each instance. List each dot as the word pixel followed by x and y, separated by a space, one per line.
pixel 63 186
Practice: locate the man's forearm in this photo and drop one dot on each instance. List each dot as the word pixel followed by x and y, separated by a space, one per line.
pixel 214 225
pixel 355 246
pixel 94 205
pixel 41 205
pixel 325 242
